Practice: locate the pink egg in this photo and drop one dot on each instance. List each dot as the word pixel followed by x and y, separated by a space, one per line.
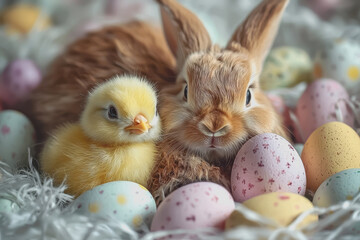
pixel 17 80
pixel 197 205
pixel 280 107
pixel 317 106
pixel 267 163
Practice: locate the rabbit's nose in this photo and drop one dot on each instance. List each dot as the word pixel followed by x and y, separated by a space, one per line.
pixel 214 131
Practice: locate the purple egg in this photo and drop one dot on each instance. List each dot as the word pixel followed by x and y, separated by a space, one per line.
pixel 18 79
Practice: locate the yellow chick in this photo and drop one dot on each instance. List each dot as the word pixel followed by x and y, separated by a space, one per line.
pixel 114 140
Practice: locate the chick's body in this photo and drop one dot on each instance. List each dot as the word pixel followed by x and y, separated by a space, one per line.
pixel 113 140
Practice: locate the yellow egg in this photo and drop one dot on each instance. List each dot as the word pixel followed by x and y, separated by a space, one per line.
pixel 285 67
pixel 22 18
pixel 280 207
pixel 331 148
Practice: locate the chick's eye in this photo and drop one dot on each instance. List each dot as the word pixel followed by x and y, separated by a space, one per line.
pixel 248 97
pixel 112 113
pixel 186 92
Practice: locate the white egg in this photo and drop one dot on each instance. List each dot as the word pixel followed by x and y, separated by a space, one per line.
pixel 340 60
pixel 17 137
pixel 123 200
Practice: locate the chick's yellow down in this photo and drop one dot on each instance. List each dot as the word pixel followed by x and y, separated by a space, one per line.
pixel 114 139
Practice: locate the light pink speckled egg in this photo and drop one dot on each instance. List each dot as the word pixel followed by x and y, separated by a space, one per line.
pixel 317 106
pixel 18 79
pixel 196 205
pixel 267 163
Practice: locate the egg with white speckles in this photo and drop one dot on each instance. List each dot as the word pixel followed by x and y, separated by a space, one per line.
pixel 123 200
pixel 193 206
pixel 280 207
pixel 342 186
pixel 17 137
pixel 320 103
pixel 331 148
pixel 267 163
pixel 285 67
pixel 340 60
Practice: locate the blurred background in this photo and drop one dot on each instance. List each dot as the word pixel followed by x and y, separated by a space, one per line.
pixel 306 22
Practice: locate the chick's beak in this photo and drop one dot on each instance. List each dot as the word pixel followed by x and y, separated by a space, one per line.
pixel 139 126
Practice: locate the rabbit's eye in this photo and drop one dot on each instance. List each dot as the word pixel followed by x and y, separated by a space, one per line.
pixel 112 113
pixel 248 97
pixel 185 92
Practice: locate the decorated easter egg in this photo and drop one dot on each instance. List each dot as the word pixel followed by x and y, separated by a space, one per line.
pixel 320 103
pixel 17 80
pixel 331 148
pixel 22 18
pixel 342 186
pixel 339 60
pixel 17 137
pixel 285 67
pixel 267 163
pixel 281 208
pixel 280 107
pixel 125 201
pixel 196 205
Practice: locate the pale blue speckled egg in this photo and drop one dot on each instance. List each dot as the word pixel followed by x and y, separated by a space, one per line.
pixel 125 201
pixel 17 137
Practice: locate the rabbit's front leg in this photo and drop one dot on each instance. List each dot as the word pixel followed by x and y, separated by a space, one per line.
pixel 178 169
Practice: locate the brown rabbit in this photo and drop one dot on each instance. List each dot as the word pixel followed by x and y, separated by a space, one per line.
pixel 216 103
pixel 135 48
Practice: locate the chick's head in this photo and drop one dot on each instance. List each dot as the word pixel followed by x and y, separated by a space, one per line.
pixel 121 110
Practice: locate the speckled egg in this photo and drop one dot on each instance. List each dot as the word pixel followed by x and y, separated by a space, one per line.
pixel 123 200
pixel 18 79
pixel 17 136
pixel 342 186
pixel 267 163
pixel 280 207
pixel 340 60
pixel 196 205
pixel 318 105
pixel 21 18
pixel 285 67
pixel 331 148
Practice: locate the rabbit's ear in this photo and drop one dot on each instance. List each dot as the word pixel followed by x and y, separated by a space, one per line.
pixel 259 29
pixel 184 32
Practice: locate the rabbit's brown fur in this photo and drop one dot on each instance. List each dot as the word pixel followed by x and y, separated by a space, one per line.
pixel 136 48
pixel 205 114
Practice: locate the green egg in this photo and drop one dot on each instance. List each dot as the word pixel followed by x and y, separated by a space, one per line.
pixel 285 67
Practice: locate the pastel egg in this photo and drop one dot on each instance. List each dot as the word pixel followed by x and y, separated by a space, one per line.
pixel 285 67
pixel 17 137
pixel 18 79
pixel 267 163
pixel 339 60
pixel 125 201
pixel 331 148
pixel 22 18
pixel 342 186
pixel 281 208
pixel 280 107
pixel 319 103
pixel 196 205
